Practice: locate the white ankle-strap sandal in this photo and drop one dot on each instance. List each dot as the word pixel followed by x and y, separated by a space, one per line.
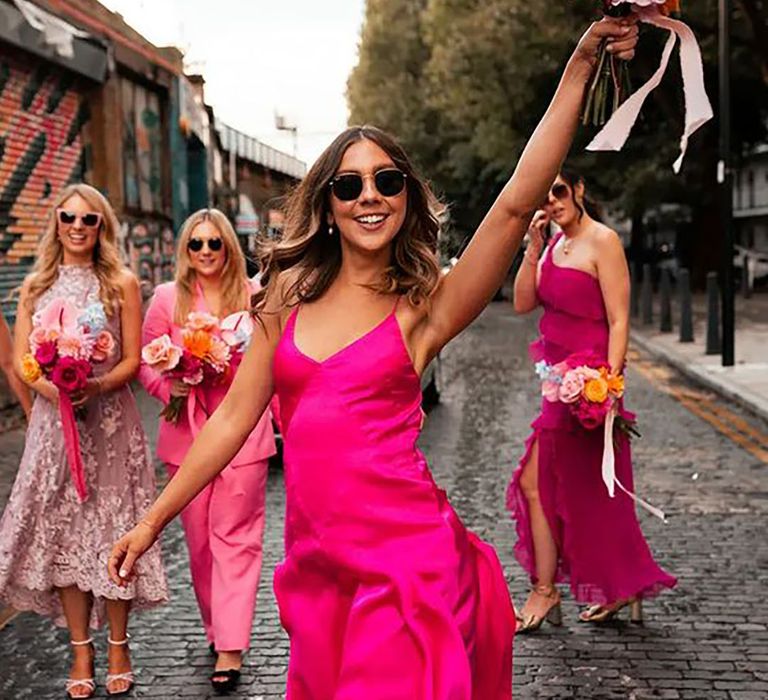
pixel 114 677
pixel 87 684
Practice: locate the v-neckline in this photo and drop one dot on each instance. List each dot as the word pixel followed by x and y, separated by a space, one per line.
pixel 342 349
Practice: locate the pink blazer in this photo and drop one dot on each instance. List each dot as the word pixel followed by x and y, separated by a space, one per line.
pixel 174 440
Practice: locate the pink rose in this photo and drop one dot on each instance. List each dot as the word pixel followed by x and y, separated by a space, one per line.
pixel 37 337
pixel 46 353
pixel 570 390
pixel 201 321
pixel 549 390
pixel 71 346
pixel 71 375
pixel 103 347
pixel 219 354
pixel 161 354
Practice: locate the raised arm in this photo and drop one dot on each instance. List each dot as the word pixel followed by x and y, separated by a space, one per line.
pixel 215 446
pixel 466 290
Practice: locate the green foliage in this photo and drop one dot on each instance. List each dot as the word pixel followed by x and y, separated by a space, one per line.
pixel 463 83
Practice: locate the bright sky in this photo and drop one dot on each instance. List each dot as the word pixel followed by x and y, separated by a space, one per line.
pixel 262 56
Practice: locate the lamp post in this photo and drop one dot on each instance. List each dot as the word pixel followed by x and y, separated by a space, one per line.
pixel 725 180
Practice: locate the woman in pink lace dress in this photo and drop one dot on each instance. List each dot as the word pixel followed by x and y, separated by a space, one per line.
pixel 53 548
pixel 568 526
pixel 384 593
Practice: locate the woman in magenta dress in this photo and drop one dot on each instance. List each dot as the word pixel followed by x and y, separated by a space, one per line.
pixel 568 527
pixel 383 592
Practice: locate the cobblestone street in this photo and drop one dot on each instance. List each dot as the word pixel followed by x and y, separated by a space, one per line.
pixel 706 640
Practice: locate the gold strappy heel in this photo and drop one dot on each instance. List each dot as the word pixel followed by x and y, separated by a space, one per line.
pixel 598 614
pixel 553 615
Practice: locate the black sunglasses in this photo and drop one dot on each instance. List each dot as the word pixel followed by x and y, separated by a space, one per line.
pixel 349 186
pixel 197 244
pixel 89 220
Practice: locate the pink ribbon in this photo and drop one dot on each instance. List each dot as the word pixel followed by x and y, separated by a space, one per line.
pixel 698 109
pixel 609 468
pixel 192 403
pixel 72 446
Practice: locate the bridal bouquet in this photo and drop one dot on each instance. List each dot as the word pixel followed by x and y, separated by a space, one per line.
pixel 211 349
pixel 592 393
pixel 610 102
pixel 65 344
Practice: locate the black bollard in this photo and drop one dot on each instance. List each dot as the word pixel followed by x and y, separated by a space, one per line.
pixel 634 290
pixel 646 295
pixel 713 315
pixel 745 290
pixel 665 291
pixel 686 312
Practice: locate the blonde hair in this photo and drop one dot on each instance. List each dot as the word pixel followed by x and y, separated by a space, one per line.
pixel 106 258
pixel 235 291
pixel 312 258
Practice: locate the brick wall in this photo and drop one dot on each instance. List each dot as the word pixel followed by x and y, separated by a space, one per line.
pixel 43 147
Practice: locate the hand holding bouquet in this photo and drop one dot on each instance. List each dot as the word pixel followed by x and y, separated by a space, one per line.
pixel 211 350
pixel 610 102
pixel 588 388
pixel 65 344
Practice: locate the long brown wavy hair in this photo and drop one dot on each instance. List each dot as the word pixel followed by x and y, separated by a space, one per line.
pixel 106 258
pixel 313 258
pixel 235 292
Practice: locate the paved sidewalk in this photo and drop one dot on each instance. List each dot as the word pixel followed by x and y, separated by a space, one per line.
pixel 747 381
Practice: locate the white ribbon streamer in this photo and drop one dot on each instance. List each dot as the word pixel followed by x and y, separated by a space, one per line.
pixel 698 109
pixel 609 468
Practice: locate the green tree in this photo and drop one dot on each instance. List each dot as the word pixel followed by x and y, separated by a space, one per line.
pixel 483 71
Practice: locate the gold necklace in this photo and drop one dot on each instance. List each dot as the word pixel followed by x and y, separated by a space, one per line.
pixel 566 246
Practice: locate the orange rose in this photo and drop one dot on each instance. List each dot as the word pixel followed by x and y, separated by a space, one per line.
pixel 596 390
pixel 197 342
pixel 616 384
pixel 30 368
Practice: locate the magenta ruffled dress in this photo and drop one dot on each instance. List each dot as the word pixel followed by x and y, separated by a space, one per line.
pixel 383 592
pixel 603 553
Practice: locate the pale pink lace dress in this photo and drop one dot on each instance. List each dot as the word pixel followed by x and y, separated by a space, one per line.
pixel 47 538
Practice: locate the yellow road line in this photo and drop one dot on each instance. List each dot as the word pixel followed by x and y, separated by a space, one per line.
pixel 705 405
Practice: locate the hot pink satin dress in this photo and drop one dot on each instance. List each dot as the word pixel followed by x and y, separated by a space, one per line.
pixel 602 551
pixel 384 593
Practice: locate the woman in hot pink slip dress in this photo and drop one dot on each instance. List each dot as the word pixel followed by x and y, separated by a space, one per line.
pixel 568 526
pixel 384 593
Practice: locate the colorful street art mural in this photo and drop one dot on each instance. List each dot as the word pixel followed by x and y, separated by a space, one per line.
pixel 43 138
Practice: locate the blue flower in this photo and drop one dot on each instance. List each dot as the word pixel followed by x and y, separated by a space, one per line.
pixel 93 317
pixel 542 369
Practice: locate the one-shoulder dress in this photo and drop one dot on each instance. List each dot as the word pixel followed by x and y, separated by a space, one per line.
pixel 602 551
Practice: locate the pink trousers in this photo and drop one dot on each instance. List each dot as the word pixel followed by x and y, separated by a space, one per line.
pixel 224 527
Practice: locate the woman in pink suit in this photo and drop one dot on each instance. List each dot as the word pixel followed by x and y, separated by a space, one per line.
pixel 384 593
pixel 224 524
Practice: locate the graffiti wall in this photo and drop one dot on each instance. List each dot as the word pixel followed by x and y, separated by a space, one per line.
pixel 142 147
pixel 43 147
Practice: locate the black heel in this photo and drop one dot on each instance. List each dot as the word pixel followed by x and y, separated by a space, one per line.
pixel 231 676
